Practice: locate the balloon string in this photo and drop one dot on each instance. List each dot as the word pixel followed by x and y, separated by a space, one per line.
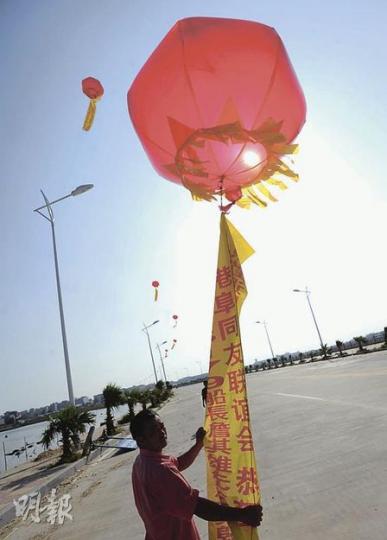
pixel 221 192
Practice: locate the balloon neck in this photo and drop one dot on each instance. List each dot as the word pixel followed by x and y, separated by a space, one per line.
pixel 225 209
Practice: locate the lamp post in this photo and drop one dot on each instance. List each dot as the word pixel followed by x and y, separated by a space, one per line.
pixel 145 329
pixel 5 455
pixel 307 292
pixel 50 217
pixel 161 358
pixel 268 338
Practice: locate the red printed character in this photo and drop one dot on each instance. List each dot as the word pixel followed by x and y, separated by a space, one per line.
pixel 245 439
pixel 224 302
pixel 236 380
pixel 228 326
pixel 219 445
pixel 224 277
pixel 219 430
pixel 237 273
pixel 247 482
pixel 220 463
pixel 235 354
pixel 241 409
pixel 216 397
pixel 217 412
pixel 222 482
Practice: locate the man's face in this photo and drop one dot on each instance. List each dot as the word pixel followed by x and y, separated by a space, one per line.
pixel 154 436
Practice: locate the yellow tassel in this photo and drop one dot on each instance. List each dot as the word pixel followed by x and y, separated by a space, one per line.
pixel 254 198
pixel 263 189
pixel 287 171
pixel 156 294
pixel 89 118
pixel 244 202
pixel 278 183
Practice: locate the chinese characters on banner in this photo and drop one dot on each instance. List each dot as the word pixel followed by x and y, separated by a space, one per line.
pixel 231 468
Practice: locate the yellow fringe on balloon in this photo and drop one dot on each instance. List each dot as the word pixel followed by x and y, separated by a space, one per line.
pixel 268 134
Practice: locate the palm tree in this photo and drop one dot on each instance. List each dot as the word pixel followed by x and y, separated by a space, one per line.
pixel 144 398
pixel 360 340
pixel 160 385
pixel 132 397
pixel 113 398
pixel 69 422
pixel 325 351
pixel 340 345
pixel 160 393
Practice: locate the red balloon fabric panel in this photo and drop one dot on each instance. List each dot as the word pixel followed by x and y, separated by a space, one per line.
pixel 216 100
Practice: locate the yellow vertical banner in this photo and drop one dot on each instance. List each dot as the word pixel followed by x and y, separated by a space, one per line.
pixel 231 468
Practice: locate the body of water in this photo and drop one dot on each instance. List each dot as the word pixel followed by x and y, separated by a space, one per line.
pixel 17 438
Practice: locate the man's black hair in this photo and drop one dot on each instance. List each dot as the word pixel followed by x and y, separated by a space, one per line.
pixel 139 422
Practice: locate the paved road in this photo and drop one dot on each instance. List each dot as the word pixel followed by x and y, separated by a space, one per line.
pixel 321 442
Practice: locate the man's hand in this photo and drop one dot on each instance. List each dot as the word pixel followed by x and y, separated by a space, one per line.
pixel 212 511
pixel 199 436
pixel 185 460
pixel 252 515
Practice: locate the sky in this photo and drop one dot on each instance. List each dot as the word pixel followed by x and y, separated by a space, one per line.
pixel 326 232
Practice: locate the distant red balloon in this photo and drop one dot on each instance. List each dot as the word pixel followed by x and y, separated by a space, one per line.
pixel 216 105
pixel 175 317
pixel 92 88
pixel 94 91
pixel 156 284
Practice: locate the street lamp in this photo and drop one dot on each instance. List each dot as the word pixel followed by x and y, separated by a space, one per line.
pixel 307 292
pixel 161 358
pixel 145 329
pixel 48 206
pixel 268 338
pixel 5 454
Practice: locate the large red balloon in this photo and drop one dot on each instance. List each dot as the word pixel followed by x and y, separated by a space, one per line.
pixel 216 104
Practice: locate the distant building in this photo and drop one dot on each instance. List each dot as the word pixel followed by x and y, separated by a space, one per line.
pixel 11 417
pixel 2 420
pixel 98 399
pixel 63 404
pixel 53 408
pixel 375 337
pixel 84 400
pixel 41 411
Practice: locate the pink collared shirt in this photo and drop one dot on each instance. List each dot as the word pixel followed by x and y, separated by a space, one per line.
pixel 163 497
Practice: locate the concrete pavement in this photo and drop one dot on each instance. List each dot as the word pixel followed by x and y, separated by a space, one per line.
pixel 320 435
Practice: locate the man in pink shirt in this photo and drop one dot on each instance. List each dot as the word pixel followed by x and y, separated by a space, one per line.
pixel 163 497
